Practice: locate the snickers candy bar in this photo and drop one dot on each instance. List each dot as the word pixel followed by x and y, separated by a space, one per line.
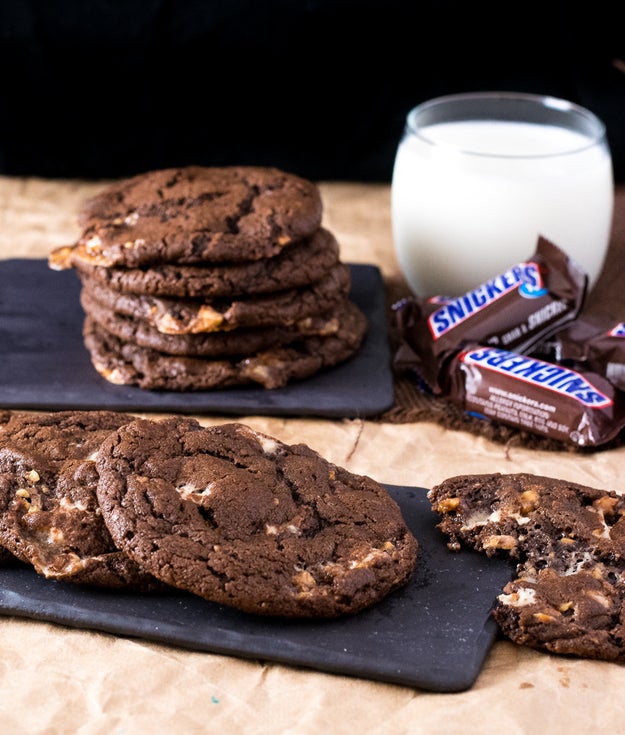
pixel 538 396
pixel 515 310
pixel 594 344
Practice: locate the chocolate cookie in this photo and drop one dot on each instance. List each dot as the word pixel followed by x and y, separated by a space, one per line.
pixel 296 265
pixel 240 342
pixel 242 519
pixel 125 363
pixel 49 514
pixel 529 516
pixel 196 214
pixel 577 614
pixel 569 542
pixel 59 435
pixel 171 316
pixel 5 555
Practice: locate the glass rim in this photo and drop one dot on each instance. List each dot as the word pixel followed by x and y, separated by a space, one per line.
pixel 595 131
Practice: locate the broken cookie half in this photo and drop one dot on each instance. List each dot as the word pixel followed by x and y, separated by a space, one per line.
pixel 568 539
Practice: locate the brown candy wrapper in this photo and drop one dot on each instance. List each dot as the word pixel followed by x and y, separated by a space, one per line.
pixel 596 344
pixel 516 310
pixel 584 409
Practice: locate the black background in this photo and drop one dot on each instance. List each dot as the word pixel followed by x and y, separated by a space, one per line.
pixel 317 87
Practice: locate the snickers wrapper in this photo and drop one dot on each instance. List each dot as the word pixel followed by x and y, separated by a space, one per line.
pixel 596 344
pixel 581 408
pixel 515 310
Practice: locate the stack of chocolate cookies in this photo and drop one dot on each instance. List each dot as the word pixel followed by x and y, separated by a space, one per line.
pixel 200 278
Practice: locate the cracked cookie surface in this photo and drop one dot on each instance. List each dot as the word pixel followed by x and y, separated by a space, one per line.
pixel 242 519
pixel 49 514
pixel 195 214
pixel 568 539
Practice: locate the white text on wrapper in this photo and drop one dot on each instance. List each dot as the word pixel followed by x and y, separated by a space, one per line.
pixel 560 379
pixel 525 276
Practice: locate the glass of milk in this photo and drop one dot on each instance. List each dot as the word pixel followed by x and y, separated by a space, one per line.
pixel 479 176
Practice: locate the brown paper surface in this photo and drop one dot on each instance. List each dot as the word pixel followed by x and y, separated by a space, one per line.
pixel 60 680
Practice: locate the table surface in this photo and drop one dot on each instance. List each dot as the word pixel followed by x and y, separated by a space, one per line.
pixel 56 679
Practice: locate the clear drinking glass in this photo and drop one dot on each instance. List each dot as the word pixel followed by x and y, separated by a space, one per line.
pixel 479 176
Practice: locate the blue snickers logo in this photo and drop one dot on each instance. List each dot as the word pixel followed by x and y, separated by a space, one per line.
pixel 525 277
pixel 618 330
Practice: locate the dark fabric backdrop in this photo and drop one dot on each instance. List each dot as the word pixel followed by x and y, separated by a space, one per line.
pixel 318 87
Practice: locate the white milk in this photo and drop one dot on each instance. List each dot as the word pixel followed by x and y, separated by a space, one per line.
pixel 461 217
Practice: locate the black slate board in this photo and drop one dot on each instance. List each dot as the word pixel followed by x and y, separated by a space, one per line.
pixel 433 634
pixel 45 366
